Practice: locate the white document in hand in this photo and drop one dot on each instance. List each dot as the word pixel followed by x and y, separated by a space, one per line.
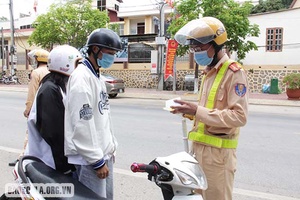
pixel 170 103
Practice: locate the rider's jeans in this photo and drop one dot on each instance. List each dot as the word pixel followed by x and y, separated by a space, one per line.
pixel 103 187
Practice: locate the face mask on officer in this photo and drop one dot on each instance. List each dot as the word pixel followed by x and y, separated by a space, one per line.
pixel 106 61
pixel 202 58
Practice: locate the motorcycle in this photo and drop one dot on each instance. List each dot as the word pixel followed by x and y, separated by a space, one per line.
pixel 3 78
pixel 9 79
pixel 35 180
pixel 178 175
pixel 12 79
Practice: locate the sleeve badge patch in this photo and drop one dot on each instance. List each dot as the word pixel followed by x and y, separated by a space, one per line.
pixel 86 112
pixel 240 89
pixel 234 67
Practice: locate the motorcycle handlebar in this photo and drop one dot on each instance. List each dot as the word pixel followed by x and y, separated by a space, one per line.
pixel 140 167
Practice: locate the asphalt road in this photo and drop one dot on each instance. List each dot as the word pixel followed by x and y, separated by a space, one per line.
pixel 268 152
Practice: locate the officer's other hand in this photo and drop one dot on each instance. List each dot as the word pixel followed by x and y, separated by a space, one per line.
pixel 103 172
pixel 184 107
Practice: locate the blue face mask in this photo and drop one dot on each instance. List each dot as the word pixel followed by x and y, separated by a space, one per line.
pixel 202 58
pixel 106 61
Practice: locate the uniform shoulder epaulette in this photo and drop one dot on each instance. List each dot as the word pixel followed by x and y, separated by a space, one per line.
pixel 235 66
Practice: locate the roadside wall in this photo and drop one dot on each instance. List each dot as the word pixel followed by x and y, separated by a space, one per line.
pixel 141 78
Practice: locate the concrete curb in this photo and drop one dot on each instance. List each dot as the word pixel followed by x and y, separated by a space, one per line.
pixel 13 89
pixel 194 98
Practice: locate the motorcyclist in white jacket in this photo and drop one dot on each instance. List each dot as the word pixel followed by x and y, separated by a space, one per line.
pixel 89 140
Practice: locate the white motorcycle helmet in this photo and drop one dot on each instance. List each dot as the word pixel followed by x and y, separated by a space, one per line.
pixel 64 59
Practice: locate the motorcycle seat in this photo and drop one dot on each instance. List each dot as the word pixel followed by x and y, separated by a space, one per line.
pixel 39 172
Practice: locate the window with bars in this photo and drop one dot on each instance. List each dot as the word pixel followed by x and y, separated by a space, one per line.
pixel 274 39
pixel 29 26
pixel 116 7
pixel 101 5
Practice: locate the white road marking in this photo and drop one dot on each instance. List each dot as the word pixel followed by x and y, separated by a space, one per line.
pixel 262 195
pixel 10 150
pixel 129 173
pixel 243 192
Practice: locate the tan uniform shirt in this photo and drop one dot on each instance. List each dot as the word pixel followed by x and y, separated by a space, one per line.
pixel 36 76
pixel 231 105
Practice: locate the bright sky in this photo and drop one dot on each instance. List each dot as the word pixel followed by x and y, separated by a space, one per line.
pixel 26 6
pixel 23 6
pixel 141 2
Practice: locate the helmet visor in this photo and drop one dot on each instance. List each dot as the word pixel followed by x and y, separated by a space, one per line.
pixel 31 58
pixel 196 31
pixel 31 54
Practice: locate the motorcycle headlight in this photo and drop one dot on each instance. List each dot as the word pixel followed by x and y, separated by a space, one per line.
pixel 195 172
pixel 185 178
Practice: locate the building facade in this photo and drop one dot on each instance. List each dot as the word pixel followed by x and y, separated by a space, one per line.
pixel 138 26
pixel 23 29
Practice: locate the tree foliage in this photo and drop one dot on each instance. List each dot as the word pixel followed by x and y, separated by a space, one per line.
pixel 233 15
pixel 68 23
pixel 287 3
pixel 114 27
pixel 3 19
pixel 266 6
pixel 270 5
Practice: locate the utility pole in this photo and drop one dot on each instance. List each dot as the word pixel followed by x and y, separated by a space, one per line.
pixel 12 45
pixel 161 48
pixel 2 48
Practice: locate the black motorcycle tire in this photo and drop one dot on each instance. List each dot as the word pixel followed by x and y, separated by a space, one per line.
pixel 6 81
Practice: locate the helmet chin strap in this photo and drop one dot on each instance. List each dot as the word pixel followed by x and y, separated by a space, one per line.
pixel 95 55
pixel 215 60
pixel 217 49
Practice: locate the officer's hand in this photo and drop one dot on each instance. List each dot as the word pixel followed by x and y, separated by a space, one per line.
pixel 102 172
pixel 184 107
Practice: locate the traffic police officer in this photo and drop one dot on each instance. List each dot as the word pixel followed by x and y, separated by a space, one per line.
pixel 222 108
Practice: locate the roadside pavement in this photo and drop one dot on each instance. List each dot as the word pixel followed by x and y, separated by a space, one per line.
pixel 143 93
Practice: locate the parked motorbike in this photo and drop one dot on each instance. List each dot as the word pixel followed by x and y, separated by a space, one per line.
pixel 13 79
pixel 3 78
pixel 178 175
pixel 35 180
pixel 9 79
